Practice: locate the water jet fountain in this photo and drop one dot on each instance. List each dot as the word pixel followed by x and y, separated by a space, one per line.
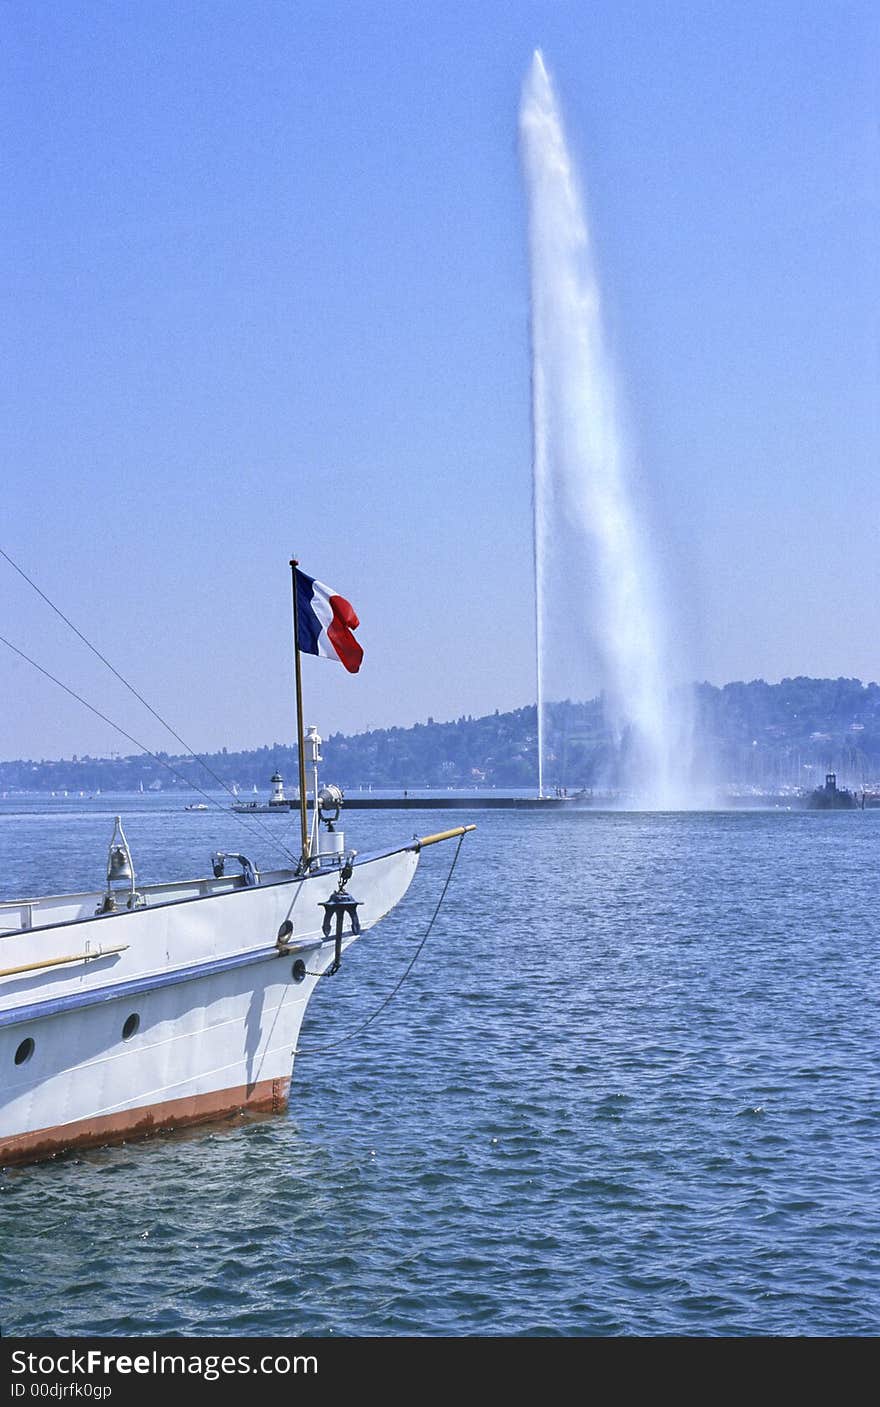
pixel 595 581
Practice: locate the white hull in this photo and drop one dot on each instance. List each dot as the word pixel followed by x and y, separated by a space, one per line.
pixel 218 1002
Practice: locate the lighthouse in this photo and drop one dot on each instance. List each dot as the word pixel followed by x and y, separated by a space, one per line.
pixel 278 798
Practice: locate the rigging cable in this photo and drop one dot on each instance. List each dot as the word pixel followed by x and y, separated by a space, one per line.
pixel 165 724
pixel 326 1049
pixel 143 747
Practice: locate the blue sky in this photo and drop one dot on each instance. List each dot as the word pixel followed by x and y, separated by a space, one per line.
pixel 265 289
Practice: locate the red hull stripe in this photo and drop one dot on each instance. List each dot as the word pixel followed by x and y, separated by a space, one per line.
pixel 266 1096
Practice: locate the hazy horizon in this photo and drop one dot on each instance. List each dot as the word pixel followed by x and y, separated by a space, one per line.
pixel 172 748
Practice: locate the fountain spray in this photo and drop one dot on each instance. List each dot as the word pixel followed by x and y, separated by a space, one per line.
pixel 581 479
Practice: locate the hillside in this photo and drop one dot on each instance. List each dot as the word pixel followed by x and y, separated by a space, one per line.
pixel 750 734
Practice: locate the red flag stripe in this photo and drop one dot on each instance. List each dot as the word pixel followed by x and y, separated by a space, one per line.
pixel 339 634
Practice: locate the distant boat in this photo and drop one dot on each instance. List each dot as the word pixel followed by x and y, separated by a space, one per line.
pixel 277 800
pixel 831 797
pixel 196 806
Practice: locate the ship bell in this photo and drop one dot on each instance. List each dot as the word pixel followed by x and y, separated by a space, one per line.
pixel 118 866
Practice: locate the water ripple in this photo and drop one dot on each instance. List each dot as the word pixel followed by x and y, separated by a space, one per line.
pixel 647 1105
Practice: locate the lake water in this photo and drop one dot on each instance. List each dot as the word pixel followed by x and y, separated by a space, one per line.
pixel 630 1087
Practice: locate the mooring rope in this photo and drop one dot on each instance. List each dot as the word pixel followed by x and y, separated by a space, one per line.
pixel 327 1049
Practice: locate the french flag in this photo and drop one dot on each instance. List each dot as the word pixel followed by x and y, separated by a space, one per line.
pixel 326 621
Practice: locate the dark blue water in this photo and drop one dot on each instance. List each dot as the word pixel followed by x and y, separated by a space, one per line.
pixel 631 1087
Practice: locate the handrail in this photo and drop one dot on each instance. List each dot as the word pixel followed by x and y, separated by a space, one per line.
pixel 100 952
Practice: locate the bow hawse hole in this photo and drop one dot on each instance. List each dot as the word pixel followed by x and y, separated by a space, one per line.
pixel 131 1025
pixel 298 971
pixel 25 1051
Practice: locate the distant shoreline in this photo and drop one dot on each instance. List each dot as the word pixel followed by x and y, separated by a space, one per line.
pixel 764 740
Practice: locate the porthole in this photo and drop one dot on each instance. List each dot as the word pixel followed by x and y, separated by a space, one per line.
pixel 131 1025
pixel 298 971
pixel 25 1051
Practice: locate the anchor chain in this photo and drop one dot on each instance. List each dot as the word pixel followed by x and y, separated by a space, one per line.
pixel 327 1049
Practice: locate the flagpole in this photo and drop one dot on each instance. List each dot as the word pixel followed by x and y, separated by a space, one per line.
pixel 303 799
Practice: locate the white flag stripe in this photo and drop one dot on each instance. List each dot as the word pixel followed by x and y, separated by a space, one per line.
pixel 324 611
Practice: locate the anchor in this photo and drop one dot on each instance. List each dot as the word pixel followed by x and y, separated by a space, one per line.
pixel 339 904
